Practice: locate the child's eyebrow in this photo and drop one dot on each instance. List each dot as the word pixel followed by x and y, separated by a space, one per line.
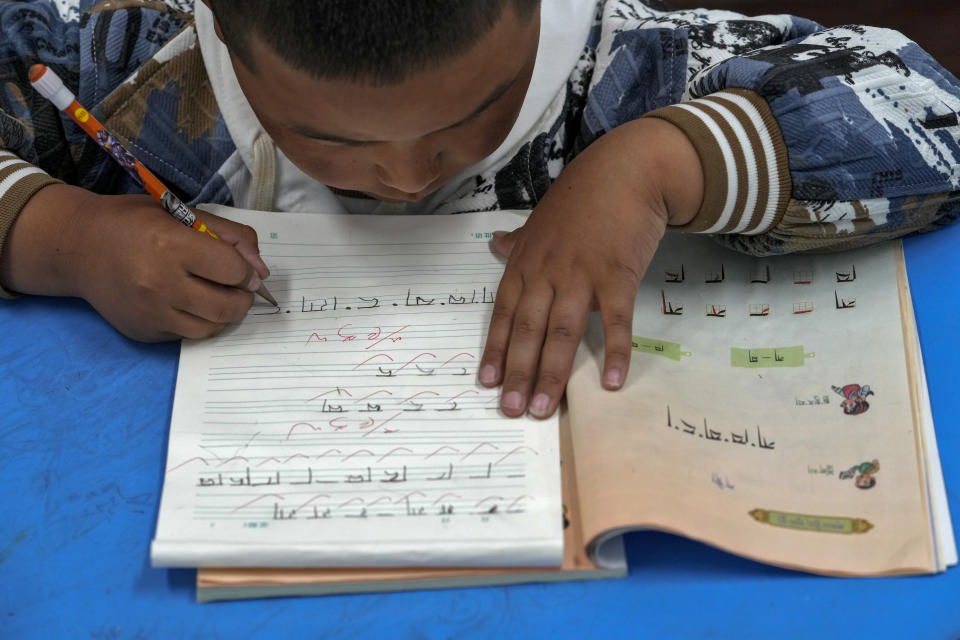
pixel 495 95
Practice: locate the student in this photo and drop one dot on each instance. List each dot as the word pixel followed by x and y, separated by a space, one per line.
pixel 612 121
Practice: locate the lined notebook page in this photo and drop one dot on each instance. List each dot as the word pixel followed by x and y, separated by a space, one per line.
pixel 347 428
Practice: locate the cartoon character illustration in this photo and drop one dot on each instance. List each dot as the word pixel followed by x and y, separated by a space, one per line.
pixel 854 398
pixel 120 154
pixel 862 474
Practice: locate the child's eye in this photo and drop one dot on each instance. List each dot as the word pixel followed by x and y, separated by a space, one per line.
pixel 342 143
pixel 470 119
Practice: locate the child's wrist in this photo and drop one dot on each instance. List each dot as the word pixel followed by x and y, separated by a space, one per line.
pixel 44 253
pixel 652 163
pixel 670 164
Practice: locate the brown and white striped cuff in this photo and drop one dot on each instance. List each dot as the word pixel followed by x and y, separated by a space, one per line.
pixel 19 180
pixel 745 168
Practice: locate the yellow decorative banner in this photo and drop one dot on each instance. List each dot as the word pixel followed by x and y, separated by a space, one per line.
pixel 806 522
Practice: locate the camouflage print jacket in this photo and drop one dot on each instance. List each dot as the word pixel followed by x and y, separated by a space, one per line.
pixel 810 139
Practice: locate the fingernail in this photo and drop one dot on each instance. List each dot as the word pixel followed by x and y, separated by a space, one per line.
pixel 613 378
pixel 488 374
pixel 512 400
pixel 538 406
pixel 499 234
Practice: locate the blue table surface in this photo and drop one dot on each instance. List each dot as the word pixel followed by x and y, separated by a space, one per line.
pixel 85 413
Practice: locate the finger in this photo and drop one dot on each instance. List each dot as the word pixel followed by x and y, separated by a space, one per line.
pixel 568 319
pixel 523 354
pixel 498 334
pixel 140 334
pixel 212 302
pixel 241 237
pixel 504 241
pixel 616 312
pixel 219 262
pixel 190 326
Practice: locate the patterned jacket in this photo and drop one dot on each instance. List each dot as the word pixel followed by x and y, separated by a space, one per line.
pixel 810 139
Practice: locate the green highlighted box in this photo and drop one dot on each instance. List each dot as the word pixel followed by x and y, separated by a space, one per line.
pixel 766 357
pixel 659 348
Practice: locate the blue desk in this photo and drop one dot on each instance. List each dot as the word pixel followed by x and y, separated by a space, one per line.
pixel 83 430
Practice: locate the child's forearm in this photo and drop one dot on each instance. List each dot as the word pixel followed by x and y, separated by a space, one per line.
pixel 659 157
pixel 42 253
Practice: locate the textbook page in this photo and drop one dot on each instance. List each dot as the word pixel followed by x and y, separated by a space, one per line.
pixel 771 410
pixel 346 428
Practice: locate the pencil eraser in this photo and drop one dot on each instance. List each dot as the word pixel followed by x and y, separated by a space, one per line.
pixel 50 86
pixel 36 71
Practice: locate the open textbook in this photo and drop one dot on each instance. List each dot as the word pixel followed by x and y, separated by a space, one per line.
pixel 775 408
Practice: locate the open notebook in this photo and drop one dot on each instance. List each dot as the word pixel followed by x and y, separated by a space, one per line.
pixel 775 408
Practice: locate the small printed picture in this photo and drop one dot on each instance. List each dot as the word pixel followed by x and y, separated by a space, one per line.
pixel 854 398
pixel 862 474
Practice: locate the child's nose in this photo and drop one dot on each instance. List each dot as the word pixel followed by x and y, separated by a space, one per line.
pixel 409 168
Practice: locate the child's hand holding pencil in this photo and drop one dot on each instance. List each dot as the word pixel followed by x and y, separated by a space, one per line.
pixel 134 261
pixel 150 277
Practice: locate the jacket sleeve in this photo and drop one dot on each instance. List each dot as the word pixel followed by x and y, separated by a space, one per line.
pixel 810 138
pixel 94 48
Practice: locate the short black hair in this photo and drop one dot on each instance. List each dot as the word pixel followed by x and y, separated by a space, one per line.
pixel 380 42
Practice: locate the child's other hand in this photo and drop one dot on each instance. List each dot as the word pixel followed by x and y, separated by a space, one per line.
pixel 150 276
pixel 586 245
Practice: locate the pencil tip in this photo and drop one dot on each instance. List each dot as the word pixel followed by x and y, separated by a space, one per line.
pixel 262 291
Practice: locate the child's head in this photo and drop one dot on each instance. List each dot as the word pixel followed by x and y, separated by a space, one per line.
pixel 388 97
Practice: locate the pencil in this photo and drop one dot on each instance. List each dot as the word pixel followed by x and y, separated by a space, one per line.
pixel 51 87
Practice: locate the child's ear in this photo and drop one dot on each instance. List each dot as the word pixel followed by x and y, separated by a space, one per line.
pixel 216 23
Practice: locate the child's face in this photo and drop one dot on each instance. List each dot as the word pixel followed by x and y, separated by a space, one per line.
pixel 399 142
